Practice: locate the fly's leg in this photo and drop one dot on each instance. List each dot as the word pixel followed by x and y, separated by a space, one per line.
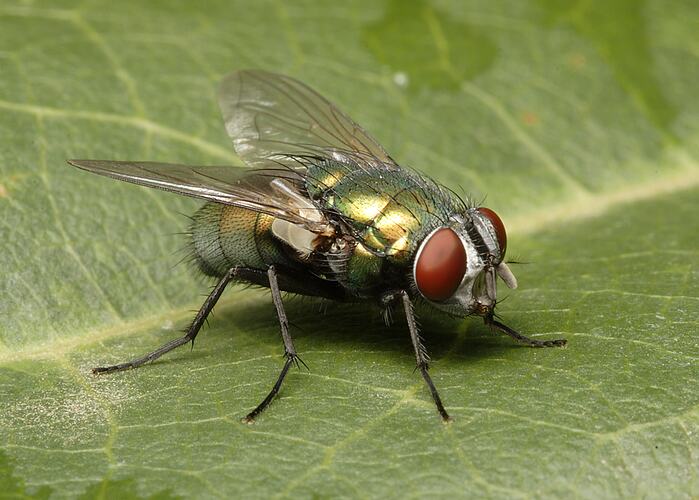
pixel 496 325
pixel 289 350
pixel 421 354
pixel 190 335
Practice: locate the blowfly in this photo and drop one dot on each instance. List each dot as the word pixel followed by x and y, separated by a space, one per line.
pixel 323 210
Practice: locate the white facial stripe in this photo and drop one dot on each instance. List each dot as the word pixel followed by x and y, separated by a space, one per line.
pixel 486 230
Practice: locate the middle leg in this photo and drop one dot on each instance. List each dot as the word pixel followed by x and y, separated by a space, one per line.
pixel 289 350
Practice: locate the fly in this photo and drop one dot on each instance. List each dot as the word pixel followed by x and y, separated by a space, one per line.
pixel 323 210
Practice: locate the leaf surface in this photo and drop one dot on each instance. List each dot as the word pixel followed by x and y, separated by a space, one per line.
pixel 578 120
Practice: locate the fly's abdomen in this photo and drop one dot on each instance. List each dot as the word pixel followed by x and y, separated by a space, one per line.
pixel 225 236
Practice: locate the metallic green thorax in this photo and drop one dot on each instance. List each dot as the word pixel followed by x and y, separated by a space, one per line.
pixel 388 212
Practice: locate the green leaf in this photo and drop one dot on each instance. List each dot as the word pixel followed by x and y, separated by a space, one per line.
pixel 578 120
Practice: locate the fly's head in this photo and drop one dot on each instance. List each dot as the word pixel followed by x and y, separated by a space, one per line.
pixel 456 266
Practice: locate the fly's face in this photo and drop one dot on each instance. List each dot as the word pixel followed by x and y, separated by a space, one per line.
pixel 456 266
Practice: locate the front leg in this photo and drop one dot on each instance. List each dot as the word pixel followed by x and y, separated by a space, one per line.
pixel 420 352
pixel 496 325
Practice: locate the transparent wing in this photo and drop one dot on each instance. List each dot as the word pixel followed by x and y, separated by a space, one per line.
pixel 270 191
pixel 275 118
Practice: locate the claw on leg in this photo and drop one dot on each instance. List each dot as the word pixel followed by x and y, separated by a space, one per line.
pixel 291 359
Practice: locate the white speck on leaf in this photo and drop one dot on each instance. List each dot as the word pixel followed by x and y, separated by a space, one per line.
pixel 400 79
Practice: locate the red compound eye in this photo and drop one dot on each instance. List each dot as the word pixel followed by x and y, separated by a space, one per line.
pixel 441 265
pixel 499 228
